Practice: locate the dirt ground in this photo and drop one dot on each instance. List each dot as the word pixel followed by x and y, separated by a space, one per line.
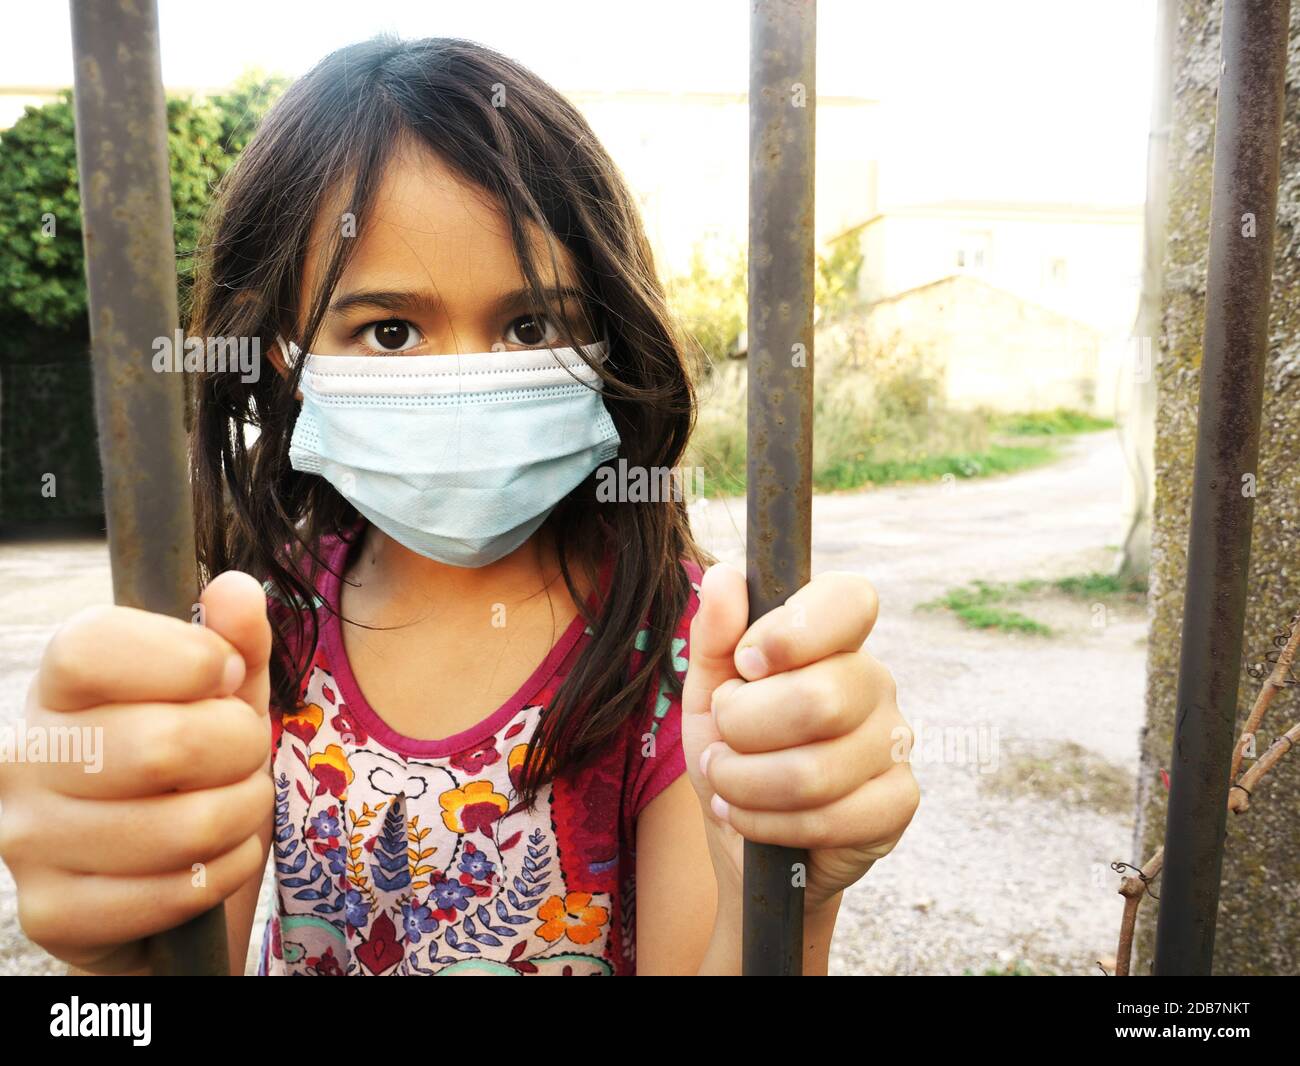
pixel 1026 745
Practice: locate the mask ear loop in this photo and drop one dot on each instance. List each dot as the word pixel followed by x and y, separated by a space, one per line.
pixel 289 351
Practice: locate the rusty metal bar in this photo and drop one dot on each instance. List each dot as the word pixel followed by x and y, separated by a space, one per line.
pixel 782 110
pixel 1247 148
pixel 126 207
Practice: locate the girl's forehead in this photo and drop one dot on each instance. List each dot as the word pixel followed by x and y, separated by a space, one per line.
pixel 427 226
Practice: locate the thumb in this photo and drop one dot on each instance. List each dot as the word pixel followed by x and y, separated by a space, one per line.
pixel 234 607
pixel 716 629
pixel 719 623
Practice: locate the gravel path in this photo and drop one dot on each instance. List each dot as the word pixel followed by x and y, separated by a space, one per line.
pixel 993 872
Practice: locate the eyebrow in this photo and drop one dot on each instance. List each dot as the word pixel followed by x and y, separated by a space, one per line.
pixel 398 301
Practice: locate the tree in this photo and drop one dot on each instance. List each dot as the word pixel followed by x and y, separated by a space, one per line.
pixel 49 464
pixel 42 279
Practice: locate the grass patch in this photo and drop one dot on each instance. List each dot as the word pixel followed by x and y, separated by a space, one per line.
pixel 979 605
pixel 1067 773
pixel 996 459
pixel 1061 422
pixel 1101 587
pixel 985 604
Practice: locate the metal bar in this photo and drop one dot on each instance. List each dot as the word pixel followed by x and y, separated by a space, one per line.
pixel 782 109
pixel 126 208
pixel 1247 140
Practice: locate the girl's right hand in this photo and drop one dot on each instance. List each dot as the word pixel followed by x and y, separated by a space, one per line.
pixel 177 816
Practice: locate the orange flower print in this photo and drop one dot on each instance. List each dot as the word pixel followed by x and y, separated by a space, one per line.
pixel 304 721
pixel 515 762
pixel 331 770
pixel 572 916
pixel 476 806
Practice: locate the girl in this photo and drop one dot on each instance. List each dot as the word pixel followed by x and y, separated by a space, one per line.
pixel 489 719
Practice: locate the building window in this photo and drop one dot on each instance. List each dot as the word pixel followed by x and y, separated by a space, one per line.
pixel 973 251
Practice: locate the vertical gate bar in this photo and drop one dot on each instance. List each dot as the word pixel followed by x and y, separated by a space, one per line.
pixel 121 132
pixel 1247 148
pixel 782 110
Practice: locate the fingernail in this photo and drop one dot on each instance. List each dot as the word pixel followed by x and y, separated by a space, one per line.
pixel 752 663
pixel 705 756
pixel 233 675
pixel 720 807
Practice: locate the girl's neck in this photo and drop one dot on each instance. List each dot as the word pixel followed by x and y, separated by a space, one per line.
pixel 396 583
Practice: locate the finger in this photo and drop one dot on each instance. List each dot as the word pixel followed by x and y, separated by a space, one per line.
pixel 802 778
pixel 828 699
pixel 234 607
pixel 138 837
pixel 833 612
pixel 717 626
pixel 65 915
pixel 131 750
pixel 119 654
pixel 874 815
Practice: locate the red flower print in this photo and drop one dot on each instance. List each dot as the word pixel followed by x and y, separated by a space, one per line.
pixel 325 965
pixel 347 726
pixel 472 760
pixel 383 950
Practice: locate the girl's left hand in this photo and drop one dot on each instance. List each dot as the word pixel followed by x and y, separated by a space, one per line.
pixel 792 732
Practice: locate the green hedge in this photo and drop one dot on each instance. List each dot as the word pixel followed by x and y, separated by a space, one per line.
pixel 46 409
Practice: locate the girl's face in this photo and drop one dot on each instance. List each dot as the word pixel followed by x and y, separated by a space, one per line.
pixel 435 272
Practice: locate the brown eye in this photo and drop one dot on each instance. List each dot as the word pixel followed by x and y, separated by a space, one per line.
pixel 391 335
pixel 532 331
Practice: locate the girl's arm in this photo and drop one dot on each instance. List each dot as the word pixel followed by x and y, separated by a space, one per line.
pixel 676 890
pixel 687 922
pixel 241 910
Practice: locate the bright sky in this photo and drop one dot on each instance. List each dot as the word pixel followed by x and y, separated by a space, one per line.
pixel 996 99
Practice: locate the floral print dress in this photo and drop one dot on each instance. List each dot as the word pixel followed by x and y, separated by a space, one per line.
pixel 402 856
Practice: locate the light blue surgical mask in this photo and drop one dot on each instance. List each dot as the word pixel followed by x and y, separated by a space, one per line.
pixel 458 457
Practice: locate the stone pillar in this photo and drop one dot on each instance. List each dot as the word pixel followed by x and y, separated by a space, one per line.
pixel 1259 913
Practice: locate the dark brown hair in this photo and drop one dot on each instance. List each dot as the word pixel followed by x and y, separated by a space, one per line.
pixel 503 129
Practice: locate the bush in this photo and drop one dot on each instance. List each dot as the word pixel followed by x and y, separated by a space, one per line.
pixel 879 417
pixel 710 302
pixel 710 306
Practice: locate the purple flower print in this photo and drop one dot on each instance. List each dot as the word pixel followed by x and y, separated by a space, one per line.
pixel 451 895
pixel 326 824
pixel 357 909
pixel 337 857
pixel 476 864
pixel 417 919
